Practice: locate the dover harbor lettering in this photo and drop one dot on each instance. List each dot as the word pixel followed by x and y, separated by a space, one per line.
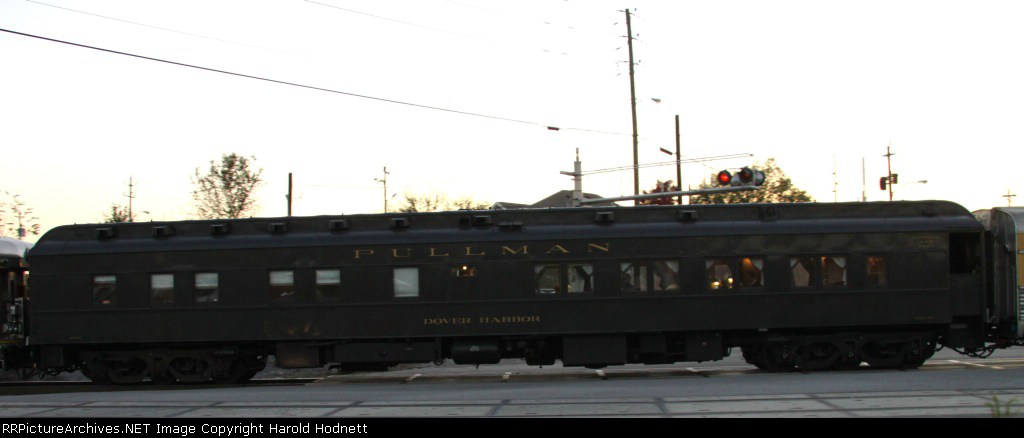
pixel 482 320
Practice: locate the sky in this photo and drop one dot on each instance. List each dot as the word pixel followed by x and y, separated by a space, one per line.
pixel 455 97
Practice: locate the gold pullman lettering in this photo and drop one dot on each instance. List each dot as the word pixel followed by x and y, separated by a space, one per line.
pixel 478 251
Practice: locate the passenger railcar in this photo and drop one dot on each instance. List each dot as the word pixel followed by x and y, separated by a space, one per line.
pixel 808 286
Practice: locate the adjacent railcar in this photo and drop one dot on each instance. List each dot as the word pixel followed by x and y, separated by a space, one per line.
pixel 807 286
pixel 14 288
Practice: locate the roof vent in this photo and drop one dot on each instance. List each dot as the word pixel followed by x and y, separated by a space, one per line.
pixel 510 226
pixel 483 220
pixel 163 231
pixel 340 225
pixel 106 233
pixel 399 222
pixel 604 217
pixel 278 227
pixel 687 215
pixel 220 229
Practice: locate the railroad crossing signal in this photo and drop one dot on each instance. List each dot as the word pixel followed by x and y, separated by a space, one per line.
pixel 745 177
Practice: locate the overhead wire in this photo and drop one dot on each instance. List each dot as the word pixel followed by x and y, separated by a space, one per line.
pixel 154 27
pixel 294 84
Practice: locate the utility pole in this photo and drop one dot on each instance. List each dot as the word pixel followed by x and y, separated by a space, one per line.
pixel 679 164
pixel 632 104
pixel 1008 196
pixel 289 195
pixel 835 181
pixel 131 195
pixel 888 159
pixel 863 181
pixel 385 182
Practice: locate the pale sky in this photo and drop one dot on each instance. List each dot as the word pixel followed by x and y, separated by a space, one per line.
pixel 810 83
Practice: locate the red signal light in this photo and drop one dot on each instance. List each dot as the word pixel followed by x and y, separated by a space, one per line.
pixel 746 175
pixel 724 178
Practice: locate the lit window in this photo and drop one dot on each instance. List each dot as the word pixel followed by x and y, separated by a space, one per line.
pixel 634 277
pixel 207 287
pixel 104 290
pixel 328 284
pixel 549 279
pixel 833 271
pixel 407 282
pixel 464 271
pixel 803 269
pixel 751 272
pixel 581 278
pixel 282 285
pixel 719 274
pixel 666 275
pixel 876 271
pixel 161 288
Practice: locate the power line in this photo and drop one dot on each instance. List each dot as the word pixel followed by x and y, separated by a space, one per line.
pixel 151 26
pixel 391 19
pixel 346 93
pixel 666 163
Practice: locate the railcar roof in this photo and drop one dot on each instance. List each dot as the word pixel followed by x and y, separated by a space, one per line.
pixel 1017 214
pixel 498 225
pixel 13 248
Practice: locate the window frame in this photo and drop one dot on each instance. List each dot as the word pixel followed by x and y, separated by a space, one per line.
pixel 318 294
pixel 415 284
pixel 276 293
pixel 97 286
pixel 196 289
pixel 152 290
pixel 867 271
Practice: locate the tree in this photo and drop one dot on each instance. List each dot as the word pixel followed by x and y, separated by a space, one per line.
pixel 118 213
pixel 22 223
pixel 438 202
pixel 661 187
pixel 777 188
pixel 226 191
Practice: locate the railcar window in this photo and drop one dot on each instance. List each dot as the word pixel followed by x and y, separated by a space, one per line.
pixel 751 272
pixel 581 278
pixel 719 274
pixel 833 271
pixel 161 288
pixel 282 285
pixel 464 271
pixel 803 270
pixel 104 290
pixel 407 282
pixel 207 287
pixel 328 284
pixel 634 277
pixel 549 278
pixel 876 271
pixel 666 275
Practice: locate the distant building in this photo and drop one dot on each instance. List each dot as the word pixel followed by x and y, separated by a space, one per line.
pixel 558 199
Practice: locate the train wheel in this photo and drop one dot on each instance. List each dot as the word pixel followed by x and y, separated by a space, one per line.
pixel 233 373
pixel 917 353
pixel 190 369
pixel 127 371
pixel 885 354
pixel 96 370
pixel 754 355
pixel 847 359
pixel 817 356
pixel 164 378
pixel 779 359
